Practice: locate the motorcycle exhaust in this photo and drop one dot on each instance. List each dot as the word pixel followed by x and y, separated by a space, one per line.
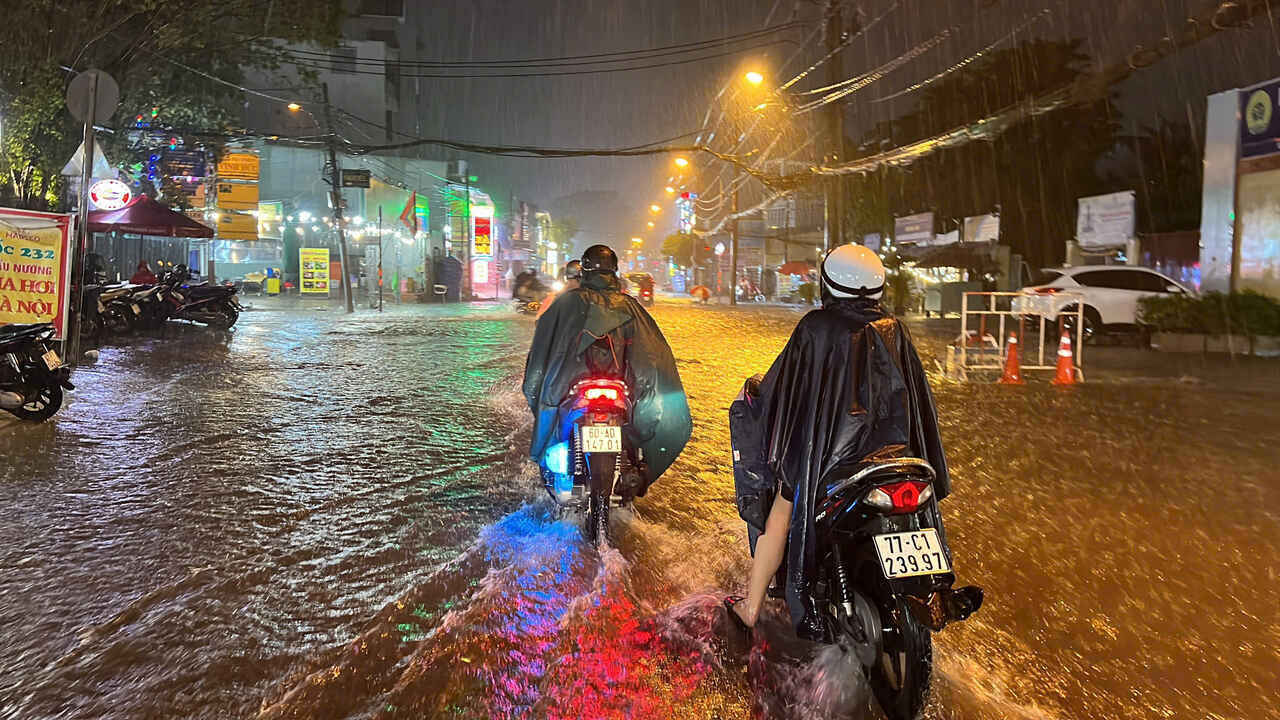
pixel 944 606
pixel 10 400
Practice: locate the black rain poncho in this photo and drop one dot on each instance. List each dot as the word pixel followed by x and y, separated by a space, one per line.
pixel 847 386
pixel 660 422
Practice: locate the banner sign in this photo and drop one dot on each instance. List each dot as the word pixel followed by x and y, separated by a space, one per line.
pixel 982 228
pixel 271 220
pixel 109 195
pixel 355 178
pixel 35 268
pixel 237 196
pixel 482 238
pixel 237 226
pixel 238 166
pixel 916 228
pixel 313 263
pixel 1260 120
pixel 1105 222
pixel 950 238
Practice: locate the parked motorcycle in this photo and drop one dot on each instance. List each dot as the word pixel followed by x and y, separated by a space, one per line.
pixel 885 576
pixel 212 305
pixel 591 455
pixel 32 376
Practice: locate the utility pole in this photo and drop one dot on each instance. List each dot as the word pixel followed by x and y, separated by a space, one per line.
pixel 834 186
pixel 82 250
pixel 335 180
pixel 379 258
pixel 733 246
pixel 466 234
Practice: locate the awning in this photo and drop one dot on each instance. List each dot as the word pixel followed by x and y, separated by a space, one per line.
pixel 797 267
pixel 145 216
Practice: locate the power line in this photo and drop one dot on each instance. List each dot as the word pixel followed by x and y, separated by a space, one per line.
pixel 562 61
pixel 319 65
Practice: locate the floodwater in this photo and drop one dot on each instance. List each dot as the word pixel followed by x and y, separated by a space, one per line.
pixel 317 516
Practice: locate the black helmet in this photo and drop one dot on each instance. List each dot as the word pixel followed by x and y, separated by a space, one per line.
pixel 572 270
pixel 600 258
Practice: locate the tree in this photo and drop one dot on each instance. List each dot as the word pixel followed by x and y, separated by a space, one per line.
pixel 679 247
pixel 563 230
pixel 144 46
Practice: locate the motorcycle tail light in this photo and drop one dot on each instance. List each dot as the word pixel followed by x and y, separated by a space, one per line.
pixel 900 497
pixel 601 393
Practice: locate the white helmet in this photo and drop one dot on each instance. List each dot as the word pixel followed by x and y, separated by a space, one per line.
pixel 853 271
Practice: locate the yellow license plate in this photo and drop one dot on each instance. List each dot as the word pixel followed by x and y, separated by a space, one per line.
pixel 51 360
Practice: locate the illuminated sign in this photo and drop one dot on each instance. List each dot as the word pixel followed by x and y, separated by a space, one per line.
pixel 238 166
pixel 313 263
pixel 34 265
pixel 238 196
pixel 109 195
pixel 482 237
pixel 480 272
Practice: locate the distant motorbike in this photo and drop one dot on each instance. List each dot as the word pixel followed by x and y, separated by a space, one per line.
pixel 885 581
pixel 591 453
pixel 529 297
pixel 32 376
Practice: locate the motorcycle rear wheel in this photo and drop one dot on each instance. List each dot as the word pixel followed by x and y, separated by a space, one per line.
pixel 42 407
pixel 117 322
pixel 900 677
pixel 226 317
pixel 603 466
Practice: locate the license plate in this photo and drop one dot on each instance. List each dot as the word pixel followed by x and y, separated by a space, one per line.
pixel 906 554
pixel 51 360
pixel 136 310
pixel 601 438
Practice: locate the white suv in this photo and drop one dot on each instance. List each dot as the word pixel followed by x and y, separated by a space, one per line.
pixel 1110 293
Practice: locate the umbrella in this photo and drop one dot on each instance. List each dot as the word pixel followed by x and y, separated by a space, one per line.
pixel 796 267
pixel 144 216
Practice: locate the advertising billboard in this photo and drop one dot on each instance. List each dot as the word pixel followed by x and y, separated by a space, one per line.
pixel 982 228
pixel 1105 222
pixel 482 237
pixel 35 268
pixel 1259 124
pixel 313 265
pixel 916 228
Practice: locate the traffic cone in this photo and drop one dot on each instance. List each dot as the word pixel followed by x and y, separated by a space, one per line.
pixel 1066 374
pixel 1012 366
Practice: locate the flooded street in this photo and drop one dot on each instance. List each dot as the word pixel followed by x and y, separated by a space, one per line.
pixel 321 516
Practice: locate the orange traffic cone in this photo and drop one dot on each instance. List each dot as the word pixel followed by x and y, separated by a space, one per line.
pixel 1066 374
pixel 1012 366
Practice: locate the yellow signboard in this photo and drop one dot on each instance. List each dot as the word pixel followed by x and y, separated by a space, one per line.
pixel 237 226
pixel 238 166
pixel 313 264
pixel 238 196
pixel 34 265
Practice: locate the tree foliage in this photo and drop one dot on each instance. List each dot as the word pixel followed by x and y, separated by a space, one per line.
pixel 143 45
pixel 563 230
pixel 1031 174
pixel 679 247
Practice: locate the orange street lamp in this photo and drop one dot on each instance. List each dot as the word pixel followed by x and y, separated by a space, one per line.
pixel 754 77
pixel 655 208
pixel 651 225
pixel 670 190
pixel 294 107
pixel 682 162
pixel 637 241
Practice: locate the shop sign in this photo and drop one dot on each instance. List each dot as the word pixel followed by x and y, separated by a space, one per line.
pixel 982 228
pixel 238 166
pixel 916 228
pixel 1105 222
pixel 355 178
pixel 109 195
pixel 1260 120
pixel 313 264
pixel 238 196
pixel 482 238
pixel 35 265
pixel 237 226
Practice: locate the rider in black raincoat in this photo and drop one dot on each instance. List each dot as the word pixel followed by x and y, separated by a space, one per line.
pixel 848 386
pixel 597 330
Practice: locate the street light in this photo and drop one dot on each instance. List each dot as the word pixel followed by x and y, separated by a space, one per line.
pixel 682 162
pixel 670 190
pixel 655 208
pixel 651 225
pixel 294 107
pixel 637 241
pixel 754 77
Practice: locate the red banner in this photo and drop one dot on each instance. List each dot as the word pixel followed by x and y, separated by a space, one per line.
pixel 482 240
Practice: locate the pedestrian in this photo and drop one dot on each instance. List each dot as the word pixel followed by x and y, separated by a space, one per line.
pixel 143 275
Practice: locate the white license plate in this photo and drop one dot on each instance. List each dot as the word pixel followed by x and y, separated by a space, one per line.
pixel 601 438
pixel 51 360
pixel 905 554
pixel 136 310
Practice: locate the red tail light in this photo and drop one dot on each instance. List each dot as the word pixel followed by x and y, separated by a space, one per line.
pixel 1048 290
pixel 900 497
pixel 602 394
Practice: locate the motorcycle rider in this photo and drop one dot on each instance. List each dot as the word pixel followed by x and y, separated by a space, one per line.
pixel 595 330
pixel 848 386
pixel 572 279
pixel 143 275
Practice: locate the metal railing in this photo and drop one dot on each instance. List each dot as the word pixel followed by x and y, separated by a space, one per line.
pixel 981 312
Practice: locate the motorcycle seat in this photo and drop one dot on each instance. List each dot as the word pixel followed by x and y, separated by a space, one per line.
pixel 13 331
pixel 875 472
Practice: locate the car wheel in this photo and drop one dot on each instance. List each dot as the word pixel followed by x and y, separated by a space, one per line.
pixel 1092 323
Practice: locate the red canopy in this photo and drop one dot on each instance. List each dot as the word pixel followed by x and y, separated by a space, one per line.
pixel 144 216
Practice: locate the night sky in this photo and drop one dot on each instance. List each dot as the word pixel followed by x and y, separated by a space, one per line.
pixel 621 109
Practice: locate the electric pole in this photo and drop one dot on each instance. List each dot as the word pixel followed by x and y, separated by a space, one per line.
pixel 733 245
pixel 834 205
pixel 335 180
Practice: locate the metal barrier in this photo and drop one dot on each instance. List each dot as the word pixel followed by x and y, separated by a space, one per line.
pixel 977 349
